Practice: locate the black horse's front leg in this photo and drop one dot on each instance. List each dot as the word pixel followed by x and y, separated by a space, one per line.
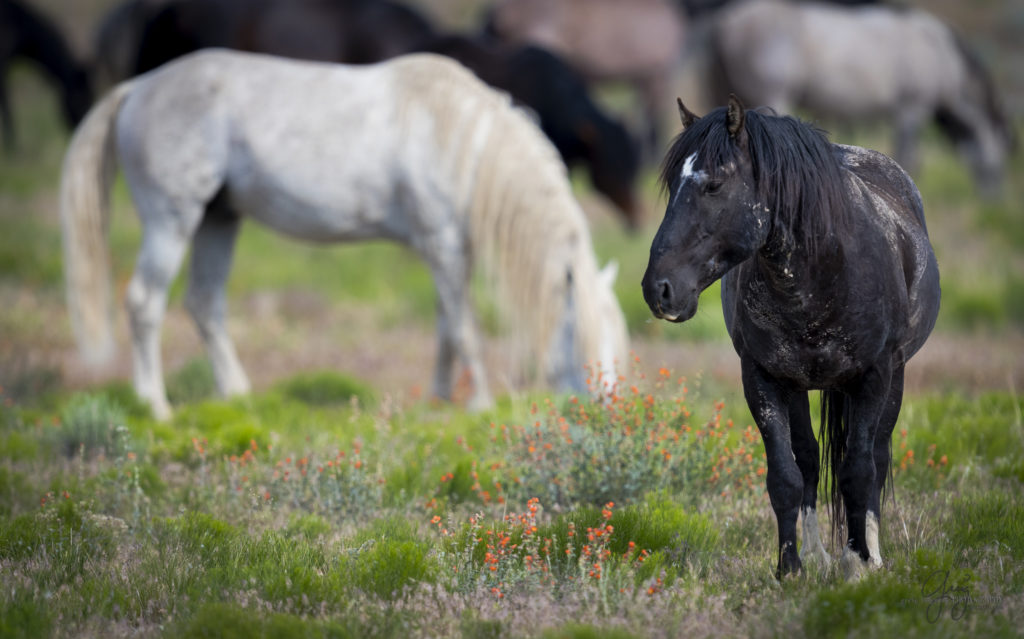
pixel 769 404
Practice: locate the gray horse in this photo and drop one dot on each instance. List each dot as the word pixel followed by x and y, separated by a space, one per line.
pixel 855 63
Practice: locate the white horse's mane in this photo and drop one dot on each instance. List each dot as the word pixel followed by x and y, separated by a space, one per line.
pixel 527 231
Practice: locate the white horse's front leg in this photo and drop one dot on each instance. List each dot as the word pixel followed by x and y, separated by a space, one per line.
pixel 458 335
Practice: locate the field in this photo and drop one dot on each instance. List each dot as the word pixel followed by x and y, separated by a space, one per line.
pixel 339 500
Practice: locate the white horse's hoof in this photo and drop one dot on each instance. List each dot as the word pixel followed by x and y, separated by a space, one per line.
pixel 162 411
pixel 479 403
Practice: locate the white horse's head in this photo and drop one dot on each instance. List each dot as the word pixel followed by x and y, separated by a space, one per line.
pixel 591 334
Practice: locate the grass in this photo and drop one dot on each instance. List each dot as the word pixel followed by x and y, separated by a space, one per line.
pixel 314 528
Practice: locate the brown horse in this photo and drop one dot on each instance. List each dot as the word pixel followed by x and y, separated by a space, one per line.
pixel 639 42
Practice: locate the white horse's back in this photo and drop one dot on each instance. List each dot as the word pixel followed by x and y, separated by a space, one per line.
pixel 247 123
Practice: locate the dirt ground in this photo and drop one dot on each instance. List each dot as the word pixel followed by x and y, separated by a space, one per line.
pixel 276 342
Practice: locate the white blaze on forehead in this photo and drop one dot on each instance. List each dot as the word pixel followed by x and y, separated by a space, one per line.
pixel 688 166
pixel 688 174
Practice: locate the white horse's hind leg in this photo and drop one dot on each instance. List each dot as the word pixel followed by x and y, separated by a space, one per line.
pixel 212 250
pixel 163 248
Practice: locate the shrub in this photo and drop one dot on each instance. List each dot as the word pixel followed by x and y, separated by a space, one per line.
pixel 92 425
pixel 326 388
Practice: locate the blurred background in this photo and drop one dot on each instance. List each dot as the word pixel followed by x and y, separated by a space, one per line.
pixel 604 94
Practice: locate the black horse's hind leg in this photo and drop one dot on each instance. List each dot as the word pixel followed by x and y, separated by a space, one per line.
pixel 805 449
pixel 769 403
pixel 883 460
pixel 857 475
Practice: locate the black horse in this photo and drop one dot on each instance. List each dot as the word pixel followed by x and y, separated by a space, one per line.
pixel 829 282
pixel 582 133
pixel 27 34
pixel 350 31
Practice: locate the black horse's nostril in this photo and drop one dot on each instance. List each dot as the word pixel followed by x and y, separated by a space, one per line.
pixel 664 288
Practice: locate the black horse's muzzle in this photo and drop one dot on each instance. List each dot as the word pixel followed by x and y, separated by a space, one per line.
pixel 672 299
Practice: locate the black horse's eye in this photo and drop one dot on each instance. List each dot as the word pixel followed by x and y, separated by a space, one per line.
pixel 712 187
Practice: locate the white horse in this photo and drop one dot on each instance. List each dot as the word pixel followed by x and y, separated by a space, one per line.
pixel 851 63
pixel 416 150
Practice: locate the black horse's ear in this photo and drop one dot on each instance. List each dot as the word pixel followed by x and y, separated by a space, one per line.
pixel 685 115
pixel 735 117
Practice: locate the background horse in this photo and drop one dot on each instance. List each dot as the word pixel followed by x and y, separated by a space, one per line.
pixel 118 39
pixel 349 31
pixel 638 42
pixel 828 282
pixel 854 63
pixel 27 34
pixel 366 31
pixel 418 151
pixel 554 92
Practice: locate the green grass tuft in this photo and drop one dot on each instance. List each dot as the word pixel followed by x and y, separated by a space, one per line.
pixel 326 388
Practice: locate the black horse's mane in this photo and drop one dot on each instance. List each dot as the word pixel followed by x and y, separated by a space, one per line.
pixel 797 173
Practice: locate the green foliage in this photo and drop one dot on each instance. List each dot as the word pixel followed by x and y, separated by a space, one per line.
pixel 226 621
pixel 91 425
pixel 326 388
pixel 620 447
pixel 193 382
pixel 991 519
pixel 881 602
pixel 25 617
pixel 65 533
pixel 16 493
pixel 580 631
pixel 390 557
pixel 308 527
pixel 986 428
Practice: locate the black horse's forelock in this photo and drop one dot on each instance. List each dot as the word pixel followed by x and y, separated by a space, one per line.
pixel 796 172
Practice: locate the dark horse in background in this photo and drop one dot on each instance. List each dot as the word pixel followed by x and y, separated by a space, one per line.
pixel 582 133
pixel 828 283
pixel 349 31
pixel 26 34
pixel 366 31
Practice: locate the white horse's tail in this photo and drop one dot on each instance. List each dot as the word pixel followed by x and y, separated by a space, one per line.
pixel 86 178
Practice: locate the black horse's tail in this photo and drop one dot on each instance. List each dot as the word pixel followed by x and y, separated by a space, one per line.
pixel 835 419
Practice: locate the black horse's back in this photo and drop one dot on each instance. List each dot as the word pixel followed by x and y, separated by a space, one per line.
pixel 885 179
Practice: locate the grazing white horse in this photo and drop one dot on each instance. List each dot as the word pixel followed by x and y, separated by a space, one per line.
pixel 416 150
pixel 853 63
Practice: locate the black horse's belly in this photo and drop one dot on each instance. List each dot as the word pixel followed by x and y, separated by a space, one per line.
pixel 808 348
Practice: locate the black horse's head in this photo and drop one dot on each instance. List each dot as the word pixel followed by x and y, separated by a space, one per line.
pixel 714 219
